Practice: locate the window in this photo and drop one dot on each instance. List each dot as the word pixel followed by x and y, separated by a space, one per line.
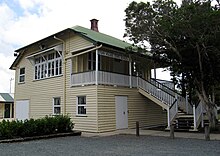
pixel 81 105
pixel 48 65
pixel 22 75
pixel 92 61
pixel 56 106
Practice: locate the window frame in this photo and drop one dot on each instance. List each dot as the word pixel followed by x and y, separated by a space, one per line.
pixel 50 67
pixel 91 64
pixel 54 106
pixel 21 75
pixel 81 105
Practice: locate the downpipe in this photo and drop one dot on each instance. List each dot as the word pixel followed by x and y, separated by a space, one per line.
pixel 64 73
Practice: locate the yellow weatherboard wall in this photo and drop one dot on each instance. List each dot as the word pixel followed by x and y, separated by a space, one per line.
pixel 100 106
pixel 140 108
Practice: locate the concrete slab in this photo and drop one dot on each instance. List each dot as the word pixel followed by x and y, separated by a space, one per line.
pixel 191 135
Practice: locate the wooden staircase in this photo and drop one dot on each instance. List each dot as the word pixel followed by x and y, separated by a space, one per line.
pixel 184 121
pixel 179 111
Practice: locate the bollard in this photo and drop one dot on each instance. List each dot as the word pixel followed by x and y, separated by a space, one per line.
pixel 172 131
pixel 137 129
pixel 207 133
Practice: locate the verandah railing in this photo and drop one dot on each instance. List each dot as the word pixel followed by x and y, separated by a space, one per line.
pixel 84 78
pixel 108 78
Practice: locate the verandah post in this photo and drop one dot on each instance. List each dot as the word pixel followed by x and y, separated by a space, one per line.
pixel 130 72
pixel 96 66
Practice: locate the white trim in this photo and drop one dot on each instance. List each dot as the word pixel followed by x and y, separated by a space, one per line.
pixel 56 48
pixel 45 70
pixel 96 66
pixel 56 105
pixel 91 46
pixel 71 70
pixel 113 55
pixel 121 111
pixel 84 105
pixel 20 75
pixel 130 72
pixel 89 50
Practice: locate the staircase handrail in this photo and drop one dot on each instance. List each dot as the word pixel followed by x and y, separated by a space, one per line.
pixel 182 101
pixel 157 86
pixel 168 89
pixel 161 95
pixel 173 110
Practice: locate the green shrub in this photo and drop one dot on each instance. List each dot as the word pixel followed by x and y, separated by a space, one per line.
pixel 10 129
pixel 35 127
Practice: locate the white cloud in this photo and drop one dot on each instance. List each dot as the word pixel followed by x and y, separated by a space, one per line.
pixel 32 20
pixel 5 73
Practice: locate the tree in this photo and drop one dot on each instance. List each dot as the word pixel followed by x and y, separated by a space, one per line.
pixel 185 38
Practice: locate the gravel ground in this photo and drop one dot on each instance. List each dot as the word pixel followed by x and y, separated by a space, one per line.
pixel 112 146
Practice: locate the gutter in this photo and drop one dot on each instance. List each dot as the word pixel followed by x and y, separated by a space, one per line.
pixel 64 73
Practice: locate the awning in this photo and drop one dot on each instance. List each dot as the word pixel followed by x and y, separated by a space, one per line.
pixel 6 98
pixel 56 48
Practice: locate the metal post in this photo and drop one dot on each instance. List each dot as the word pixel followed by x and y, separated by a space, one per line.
pixel 194 118
pixel 10 84
pixel 96 66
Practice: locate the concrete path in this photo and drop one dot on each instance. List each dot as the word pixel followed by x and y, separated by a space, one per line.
pixel 192 135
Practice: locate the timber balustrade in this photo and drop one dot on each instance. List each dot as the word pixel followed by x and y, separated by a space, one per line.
pixel 198 115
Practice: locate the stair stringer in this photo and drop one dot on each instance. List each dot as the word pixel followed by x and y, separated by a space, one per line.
pixel 154 99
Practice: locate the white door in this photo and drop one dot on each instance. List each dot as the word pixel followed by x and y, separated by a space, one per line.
pixel 22 110
pixel 121 112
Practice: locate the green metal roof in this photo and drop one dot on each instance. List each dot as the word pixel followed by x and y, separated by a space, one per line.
pixel 6 97
pixel 101 38
pixel 89 34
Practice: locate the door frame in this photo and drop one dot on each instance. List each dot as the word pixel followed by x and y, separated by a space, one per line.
pixel 121 112
pixel 9 111
pixel 28 109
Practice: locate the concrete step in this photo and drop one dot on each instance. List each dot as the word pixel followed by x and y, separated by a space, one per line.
pixel 185 116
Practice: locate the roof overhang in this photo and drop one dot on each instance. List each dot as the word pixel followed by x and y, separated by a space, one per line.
pixel 56 48
pixel 22 50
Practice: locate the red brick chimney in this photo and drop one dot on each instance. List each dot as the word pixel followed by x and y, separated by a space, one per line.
pixel 94 25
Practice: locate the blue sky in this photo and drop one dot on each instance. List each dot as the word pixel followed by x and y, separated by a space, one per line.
pixel 25 21
pixel 14 5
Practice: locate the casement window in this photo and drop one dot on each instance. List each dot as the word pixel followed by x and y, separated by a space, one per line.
pixel 21 75
pixel 81 105
pixel 48 65
pixel 92 61
pixel 56 106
